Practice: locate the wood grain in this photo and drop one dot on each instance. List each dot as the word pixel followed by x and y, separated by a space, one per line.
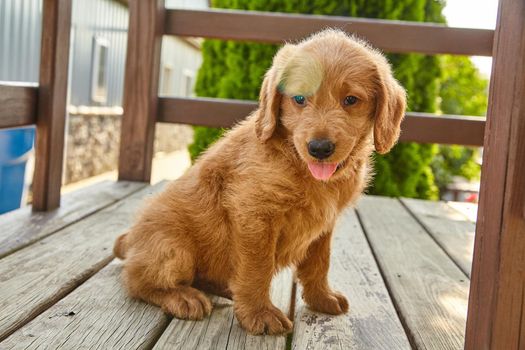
pixel 18 104
pixel 418 127
pixel 429 291
pixel 97 315
pixel 496 318
pixel 391 36
pixel 141 87
pixel 52 97
pixel 22 227
pixel 449 228
pixel 37 276
pixel 222 330
pixel 372 322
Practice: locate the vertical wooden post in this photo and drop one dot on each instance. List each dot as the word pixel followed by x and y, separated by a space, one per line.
pixel 146 26
pixel 52 95
pixel 496 315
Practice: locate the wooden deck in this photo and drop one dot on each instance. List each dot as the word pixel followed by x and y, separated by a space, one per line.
pixel 404 265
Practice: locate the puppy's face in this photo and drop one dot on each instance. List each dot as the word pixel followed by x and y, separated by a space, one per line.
pixel 330 93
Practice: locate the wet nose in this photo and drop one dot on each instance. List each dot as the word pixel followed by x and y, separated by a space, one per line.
pixel 321 149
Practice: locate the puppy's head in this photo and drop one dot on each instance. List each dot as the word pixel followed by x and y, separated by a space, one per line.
pixel 330 94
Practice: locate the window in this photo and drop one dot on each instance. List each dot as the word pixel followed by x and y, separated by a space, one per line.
pixel 166 87
pixel 188 77
pixel 99 81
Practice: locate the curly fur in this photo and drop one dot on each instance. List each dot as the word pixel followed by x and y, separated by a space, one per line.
pixel 250 206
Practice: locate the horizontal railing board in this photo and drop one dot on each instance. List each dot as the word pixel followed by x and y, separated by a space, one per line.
pixel 443 129
pixel 18 104
pixel 216 112
pixel 390 36
pixel 418 127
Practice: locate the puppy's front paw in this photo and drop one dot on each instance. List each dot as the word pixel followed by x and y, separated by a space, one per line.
pixel 267 320
pixel 187 303
pixel 332 303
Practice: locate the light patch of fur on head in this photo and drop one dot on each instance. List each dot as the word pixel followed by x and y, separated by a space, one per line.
pixel 302 75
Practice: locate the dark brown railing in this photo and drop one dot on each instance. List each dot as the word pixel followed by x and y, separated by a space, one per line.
pixel 418 127
pixel 18 103
pixel 271 27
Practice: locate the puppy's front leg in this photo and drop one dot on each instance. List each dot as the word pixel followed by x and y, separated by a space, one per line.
pixel 313 274
pixel 255 267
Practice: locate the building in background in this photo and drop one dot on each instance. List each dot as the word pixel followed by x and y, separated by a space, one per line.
pixel 96 75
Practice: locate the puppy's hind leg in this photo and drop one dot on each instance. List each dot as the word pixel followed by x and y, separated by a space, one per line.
pixel 164 278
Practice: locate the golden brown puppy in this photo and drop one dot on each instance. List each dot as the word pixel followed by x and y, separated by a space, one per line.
pixel 267 195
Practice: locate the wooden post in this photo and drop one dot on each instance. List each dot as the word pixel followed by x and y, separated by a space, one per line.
pixel 52 98
pixel 496 315
pixel 146 26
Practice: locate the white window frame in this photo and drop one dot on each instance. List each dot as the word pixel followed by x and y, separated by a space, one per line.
pixel 96 95
pixel 166 84
pixel 187 74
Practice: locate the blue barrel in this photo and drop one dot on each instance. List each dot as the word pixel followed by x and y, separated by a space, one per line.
pixel 15 148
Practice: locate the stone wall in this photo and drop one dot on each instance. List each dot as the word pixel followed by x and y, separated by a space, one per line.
pixel 93 144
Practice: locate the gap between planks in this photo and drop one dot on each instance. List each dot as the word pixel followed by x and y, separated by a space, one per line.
pixel 449 228
pixel 41 274
pixel 23 227
pixel 372 322
pixel 428 289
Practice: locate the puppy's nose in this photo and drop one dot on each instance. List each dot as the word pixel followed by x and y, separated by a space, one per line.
pixel 321 149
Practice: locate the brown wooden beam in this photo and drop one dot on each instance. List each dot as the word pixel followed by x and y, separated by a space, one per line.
pixel 146 18
pixel 19 104
pixel 443 129
pixel 390 36
pixel 418 127
pixel 52 97
pixel 496 314
pixel 215 112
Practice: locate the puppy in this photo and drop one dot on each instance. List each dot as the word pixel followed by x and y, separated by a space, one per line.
pixel 267 195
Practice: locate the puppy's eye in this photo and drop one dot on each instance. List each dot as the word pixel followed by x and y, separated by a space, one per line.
pixel 350 100
pixel 300 100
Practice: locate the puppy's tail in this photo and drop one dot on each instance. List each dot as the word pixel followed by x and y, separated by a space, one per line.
pixel 120 247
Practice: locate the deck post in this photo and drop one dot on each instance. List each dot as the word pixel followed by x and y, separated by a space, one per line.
pixel 52 99
pixel 146 26
pixel 496 315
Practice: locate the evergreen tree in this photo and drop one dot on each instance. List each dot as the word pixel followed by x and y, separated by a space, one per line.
pixel 236 70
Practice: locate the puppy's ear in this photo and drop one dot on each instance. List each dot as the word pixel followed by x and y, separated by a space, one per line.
pixel 271 95
pixel 390 110
pixel 269 106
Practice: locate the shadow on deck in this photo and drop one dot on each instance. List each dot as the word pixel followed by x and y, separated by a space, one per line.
pixel 403 264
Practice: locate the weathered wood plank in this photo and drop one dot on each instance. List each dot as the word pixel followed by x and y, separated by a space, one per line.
pixel 429 291
pixel 470 210
pixel 372 322
pixel 222 330
pixel 18 104
pixel 97 315
pixel 39 275
pixel 23 227
pixel 146 21
pixel 391 36
pixel 418 127
pixel 496 315
pixel 52 96
pixel 451 229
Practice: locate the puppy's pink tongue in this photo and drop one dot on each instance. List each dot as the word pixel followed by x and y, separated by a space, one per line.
pixel 322 171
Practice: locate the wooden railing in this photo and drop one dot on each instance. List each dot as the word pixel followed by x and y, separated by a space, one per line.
pixel 24 105
pixel 391 36
pixel 497 299
pixel 271 27
pixel 18 104
pixel 418 127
